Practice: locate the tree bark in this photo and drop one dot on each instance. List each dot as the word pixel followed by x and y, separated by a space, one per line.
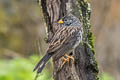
pixel 85 65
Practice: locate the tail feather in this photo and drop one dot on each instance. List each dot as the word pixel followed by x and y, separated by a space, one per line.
pixel 41 64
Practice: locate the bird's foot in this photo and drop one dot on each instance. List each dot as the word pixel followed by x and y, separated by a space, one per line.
pixel 66 58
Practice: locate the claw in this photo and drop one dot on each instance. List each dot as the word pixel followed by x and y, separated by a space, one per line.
pixel 70 57
pixel 66 58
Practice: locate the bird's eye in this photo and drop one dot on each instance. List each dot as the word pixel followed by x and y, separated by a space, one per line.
pixel 65 19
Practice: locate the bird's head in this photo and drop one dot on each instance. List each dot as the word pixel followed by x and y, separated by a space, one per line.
pixel 69 20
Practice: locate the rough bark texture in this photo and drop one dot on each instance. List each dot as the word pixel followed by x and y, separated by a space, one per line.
pixel 85 66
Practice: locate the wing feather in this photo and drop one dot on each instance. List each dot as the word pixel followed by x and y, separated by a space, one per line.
pixel 65 35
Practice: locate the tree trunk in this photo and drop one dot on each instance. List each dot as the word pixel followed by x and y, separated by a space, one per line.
pixel 85 65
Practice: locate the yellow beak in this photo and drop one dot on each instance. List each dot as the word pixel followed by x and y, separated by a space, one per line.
pixel 60 21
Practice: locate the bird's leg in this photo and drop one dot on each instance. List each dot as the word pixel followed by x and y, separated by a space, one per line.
pixel 66 58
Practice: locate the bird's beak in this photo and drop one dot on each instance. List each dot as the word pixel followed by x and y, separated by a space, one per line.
pixel 60 21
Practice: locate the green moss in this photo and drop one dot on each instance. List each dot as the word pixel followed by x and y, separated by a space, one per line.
pixel 88 36
pixel 91 41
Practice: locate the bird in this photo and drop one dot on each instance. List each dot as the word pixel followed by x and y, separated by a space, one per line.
pixel 64 41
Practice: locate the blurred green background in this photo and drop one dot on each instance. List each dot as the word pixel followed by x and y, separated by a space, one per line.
pixel 22 30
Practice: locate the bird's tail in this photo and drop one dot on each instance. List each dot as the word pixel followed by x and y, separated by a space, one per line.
pixel 41 64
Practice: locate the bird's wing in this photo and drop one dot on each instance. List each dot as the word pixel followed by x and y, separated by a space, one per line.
pixel 63 39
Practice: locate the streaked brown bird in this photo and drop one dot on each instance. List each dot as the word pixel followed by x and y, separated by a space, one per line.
pixel 65 40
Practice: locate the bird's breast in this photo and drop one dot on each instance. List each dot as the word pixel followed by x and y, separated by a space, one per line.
pixel 78 40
